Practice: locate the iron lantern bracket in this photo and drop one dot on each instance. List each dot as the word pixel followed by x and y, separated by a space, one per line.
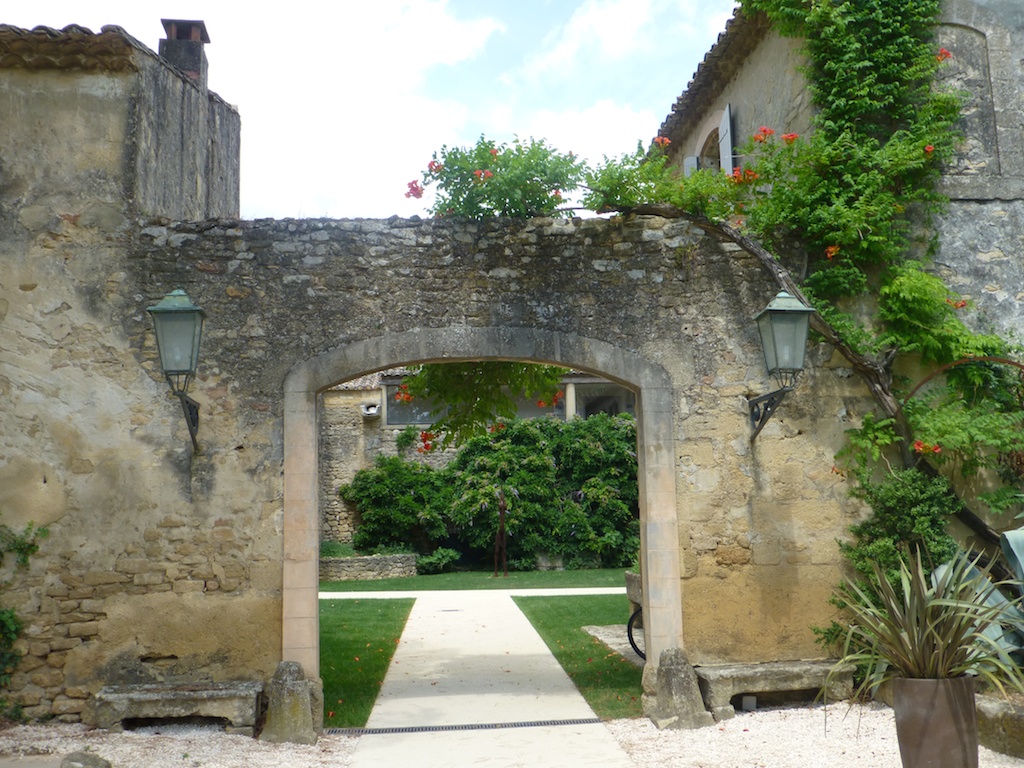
pixel 763 408
pixel 191 410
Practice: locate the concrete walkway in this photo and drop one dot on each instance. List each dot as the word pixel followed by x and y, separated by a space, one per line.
pixel 471 658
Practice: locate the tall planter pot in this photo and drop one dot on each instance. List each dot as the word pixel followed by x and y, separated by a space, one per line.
pixel 936 722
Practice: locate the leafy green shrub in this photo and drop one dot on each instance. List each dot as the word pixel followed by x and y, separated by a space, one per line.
pixel 400 504
pixel 23 545
pixel 406 436
pixel 911 511
pixel 440 560
pixel 336 549
pixel 522 179
pixel 516 461
pixel 570 490
pixel 597 471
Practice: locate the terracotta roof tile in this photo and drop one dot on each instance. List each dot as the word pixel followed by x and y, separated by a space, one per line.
pixel 719 66
pixel 73 47
pixel 76 47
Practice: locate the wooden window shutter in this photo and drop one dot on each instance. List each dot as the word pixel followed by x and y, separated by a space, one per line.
pixel 725 146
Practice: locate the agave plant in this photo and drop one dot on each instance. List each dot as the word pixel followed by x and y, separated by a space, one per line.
pixel 931 625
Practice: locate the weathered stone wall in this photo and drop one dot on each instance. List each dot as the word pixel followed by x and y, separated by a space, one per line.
pixel 746 512
pixel 147 574
pixel 168 565
pixel 982 257
pixel 144 138
pixel 178 555
pixel 47 117
pixel 981 251
pixel 348 443
pixel 187 147
pixel 367 568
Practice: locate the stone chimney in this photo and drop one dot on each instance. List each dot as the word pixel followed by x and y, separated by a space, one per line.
pixel 184 47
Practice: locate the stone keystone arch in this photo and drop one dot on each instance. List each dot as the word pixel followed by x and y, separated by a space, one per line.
pixel 659 540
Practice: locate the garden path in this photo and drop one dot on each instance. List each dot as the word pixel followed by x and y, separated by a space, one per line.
pixel 473 684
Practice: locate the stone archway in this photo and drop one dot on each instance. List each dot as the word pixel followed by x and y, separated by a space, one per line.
pixel 659 541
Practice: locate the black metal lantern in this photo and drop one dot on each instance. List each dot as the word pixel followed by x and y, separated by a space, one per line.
pixel 179 330
pixel 783 326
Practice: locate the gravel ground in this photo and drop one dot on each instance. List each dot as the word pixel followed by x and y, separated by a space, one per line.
pixel 801 737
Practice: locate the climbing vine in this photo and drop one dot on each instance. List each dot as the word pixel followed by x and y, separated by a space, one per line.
pixel 860 196
pixel 856 198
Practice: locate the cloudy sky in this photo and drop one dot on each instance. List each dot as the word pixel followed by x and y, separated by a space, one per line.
pixel 344 102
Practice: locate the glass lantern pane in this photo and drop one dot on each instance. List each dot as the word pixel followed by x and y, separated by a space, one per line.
pixel 177 336
pixel 764 327
pixel 789 346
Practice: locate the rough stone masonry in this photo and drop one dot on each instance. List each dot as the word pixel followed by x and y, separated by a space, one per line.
pixel 118 183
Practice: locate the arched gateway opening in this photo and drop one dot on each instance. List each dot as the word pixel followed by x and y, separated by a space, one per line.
pixel 659 542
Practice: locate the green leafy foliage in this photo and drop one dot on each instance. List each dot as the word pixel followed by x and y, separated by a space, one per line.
pixel 22 545
pixel 441 560
pixel 974 436
pixel 406 437
pixel 920 315
pixel 929 626
pixel 644 177
pixel 521 179
pixel 911 510
pixel 516 461
pixel 401 504
pixel 570 490
pixel 473 396
pixel 866 446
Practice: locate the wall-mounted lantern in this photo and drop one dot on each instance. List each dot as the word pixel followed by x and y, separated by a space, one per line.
pixel 783 326
pixel 179 329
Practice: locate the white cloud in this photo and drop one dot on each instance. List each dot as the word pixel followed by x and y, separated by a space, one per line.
pixel 336 118
pixel 349 126
pixel 598 29
pixel 605 128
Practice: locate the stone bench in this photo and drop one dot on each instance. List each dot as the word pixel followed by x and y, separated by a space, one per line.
pixel 237 703
pixel 719 684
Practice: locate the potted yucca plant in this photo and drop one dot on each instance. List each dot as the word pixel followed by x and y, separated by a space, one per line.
pixel 932 635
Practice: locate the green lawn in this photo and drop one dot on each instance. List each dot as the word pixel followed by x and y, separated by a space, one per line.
pixel 605 577
pixel 357 640
pixel 610 684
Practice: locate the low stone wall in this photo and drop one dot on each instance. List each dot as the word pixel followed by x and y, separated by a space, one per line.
pixel 366 568
pixel 1001 724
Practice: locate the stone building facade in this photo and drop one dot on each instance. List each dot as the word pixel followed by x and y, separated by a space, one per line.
pixel 165 564
pixel 752 77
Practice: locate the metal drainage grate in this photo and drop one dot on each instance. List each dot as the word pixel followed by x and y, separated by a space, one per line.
pixel 466 727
